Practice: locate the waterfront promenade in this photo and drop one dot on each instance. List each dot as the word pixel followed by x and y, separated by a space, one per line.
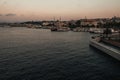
pixel 106 46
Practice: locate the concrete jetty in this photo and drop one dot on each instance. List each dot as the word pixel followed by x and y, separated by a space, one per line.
pixel 114 52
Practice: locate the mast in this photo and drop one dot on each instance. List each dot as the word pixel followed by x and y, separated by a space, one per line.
pixel 60 23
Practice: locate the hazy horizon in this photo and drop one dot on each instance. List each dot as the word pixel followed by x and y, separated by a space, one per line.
pixel 24 10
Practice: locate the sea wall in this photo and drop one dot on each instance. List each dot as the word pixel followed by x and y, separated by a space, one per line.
pixel 107 49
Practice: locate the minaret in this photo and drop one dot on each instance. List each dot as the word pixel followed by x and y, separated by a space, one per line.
pixel 60 22
pixel 85 18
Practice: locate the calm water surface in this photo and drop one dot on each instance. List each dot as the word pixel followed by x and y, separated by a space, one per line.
pixel 37 54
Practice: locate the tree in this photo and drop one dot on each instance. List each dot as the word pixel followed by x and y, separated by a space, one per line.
pixel 78 23
pixel 72 26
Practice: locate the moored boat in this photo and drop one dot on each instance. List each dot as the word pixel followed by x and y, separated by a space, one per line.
pixel 60 29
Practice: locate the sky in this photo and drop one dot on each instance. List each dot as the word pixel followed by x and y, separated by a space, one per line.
pixel 26 10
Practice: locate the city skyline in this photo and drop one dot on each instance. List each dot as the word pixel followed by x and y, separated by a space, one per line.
pixel 19 10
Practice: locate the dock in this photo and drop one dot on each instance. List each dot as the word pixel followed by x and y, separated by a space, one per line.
pixel 114 52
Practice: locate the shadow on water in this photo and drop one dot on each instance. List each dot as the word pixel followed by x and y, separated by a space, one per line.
pixel 99 52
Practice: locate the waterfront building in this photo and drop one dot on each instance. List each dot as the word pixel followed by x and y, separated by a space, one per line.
pixel 89 22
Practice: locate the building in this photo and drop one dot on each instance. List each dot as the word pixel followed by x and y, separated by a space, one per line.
pixel 89 22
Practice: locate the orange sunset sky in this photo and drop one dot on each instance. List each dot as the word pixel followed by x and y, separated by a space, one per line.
pixel 23 10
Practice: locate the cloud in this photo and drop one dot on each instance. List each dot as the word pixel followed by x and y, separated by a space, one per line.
pixel 10 14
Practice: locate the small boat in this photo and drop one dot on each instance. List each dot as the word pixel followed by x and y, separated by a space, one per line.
pixel 54 29
pixel 96 30
pixel 61 29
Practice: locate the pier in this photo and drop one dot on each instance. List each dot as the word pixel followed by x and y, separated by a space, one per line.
pixel 112 51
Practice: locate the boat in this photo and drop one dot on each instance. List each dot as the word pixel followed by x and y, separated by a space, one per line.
pixel 79 29
pixel 38 26
pixel 60 29
pixel 35 26
pixel 96 30
pixel 54 29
